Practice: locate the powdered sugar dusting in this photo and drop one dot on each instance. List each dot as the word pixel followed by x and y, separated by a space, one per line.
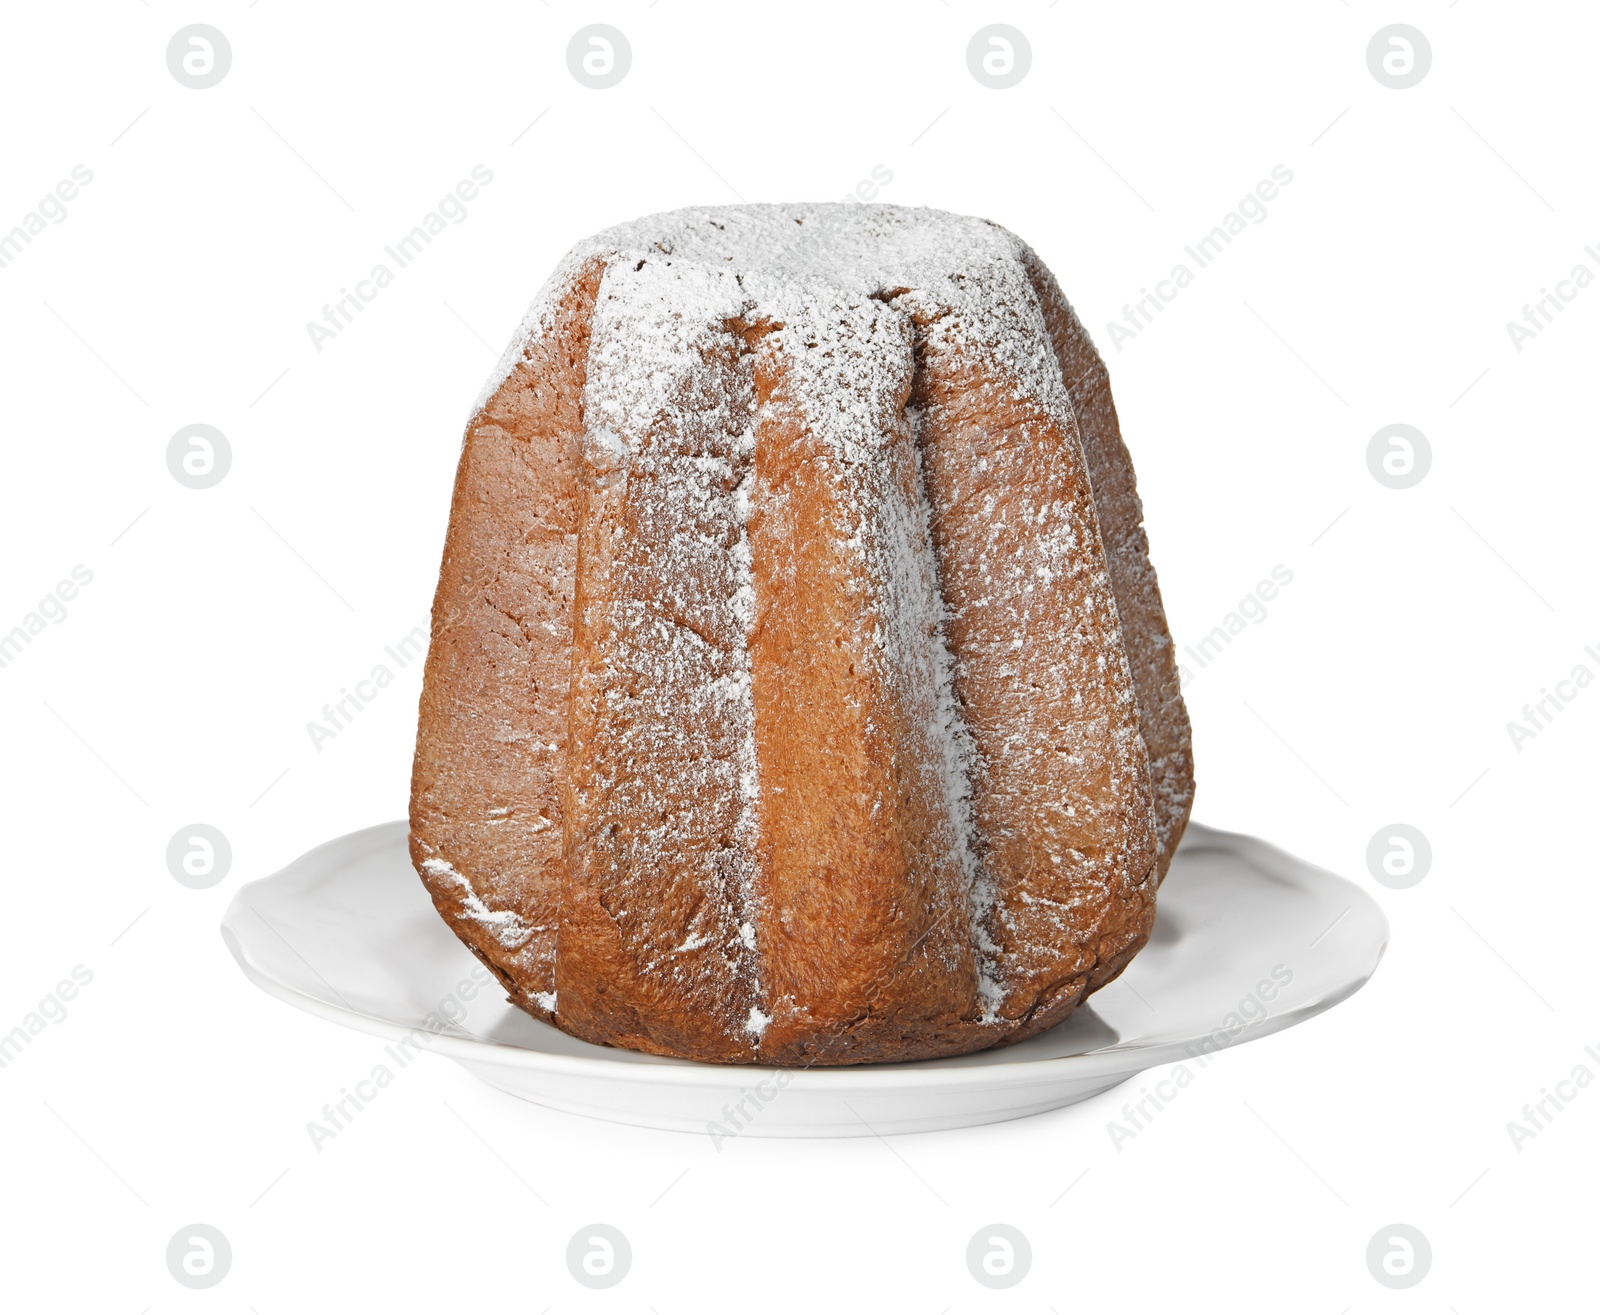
pixel 1026 623
pixel 844 388
pixel 668 451
pixel 507 927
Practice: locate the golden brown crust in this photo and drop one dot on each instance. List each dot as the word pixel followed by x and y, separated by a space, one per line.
pixel 1163 718
pixel 486 782
pixel 657 860
pixel 1064 835
pixel 799 689
pixel 863 918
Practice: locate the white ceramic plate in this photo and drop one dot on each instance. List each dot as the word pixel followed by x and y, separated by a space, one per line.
pixel 1248 941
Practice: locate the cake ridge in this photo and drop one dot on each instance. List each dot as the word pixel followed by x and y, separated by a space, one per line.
pixel 649 633
pixel 840 377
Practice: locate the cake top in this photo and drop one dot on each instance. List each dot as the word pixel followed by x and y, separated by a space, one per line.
pixel 844 244
pixel 828 253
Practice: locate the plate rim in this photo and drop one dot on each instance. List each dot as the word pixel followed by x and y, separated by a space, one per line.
pixel 1130 1057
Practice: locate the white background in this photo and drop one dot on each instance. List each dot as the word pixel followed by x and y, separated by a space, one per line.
pixel 178 687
